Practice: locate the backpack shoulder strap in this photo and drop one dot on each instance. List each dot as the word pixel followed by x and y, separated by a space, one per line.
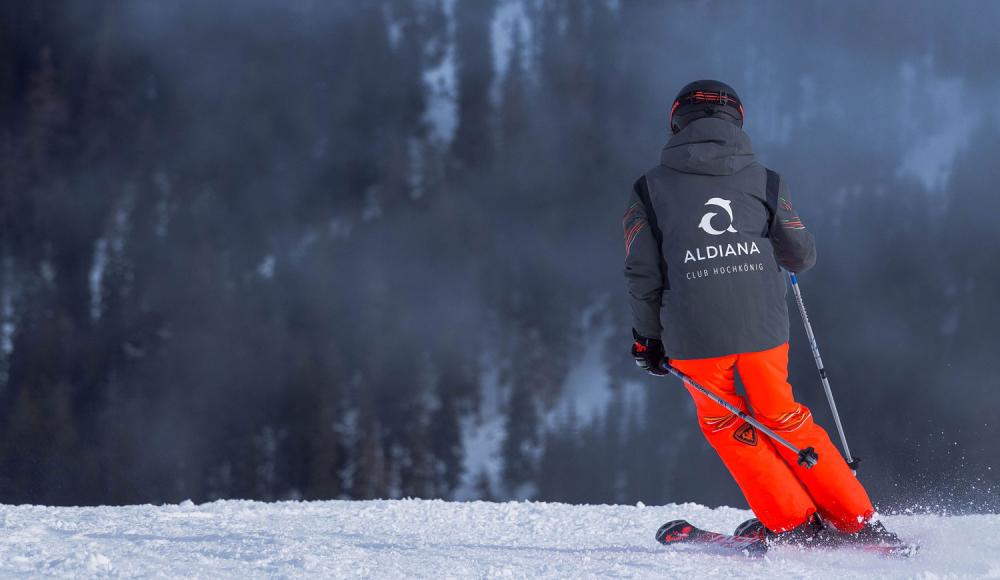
pixel 771 197
pixel 642 190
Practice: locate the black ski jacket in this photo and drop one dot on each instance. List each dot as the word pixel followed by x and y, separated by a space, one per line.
pixel 703 245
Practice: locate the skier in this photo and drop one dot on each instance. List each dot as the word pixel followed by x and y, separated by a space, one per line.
pixel 703 246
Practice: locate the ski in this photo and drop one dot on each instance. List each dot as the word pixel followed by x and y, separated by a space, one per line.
pixel 901 550
pixel 753 545
pixel 889 547
pixel 680 532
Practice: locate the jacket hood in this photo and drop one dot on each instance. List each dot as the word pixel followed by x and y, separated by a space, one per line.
pixel 709 146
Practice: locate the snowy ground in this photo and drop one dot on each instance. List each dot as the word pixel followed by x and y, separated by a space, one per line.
pixel 435 539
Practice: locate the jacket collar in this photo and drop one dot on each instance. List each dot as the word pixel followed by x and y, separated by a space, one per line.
pixel 709 146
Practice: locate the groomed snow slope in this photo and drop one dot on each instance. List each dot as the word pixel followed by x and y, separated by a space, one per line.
pixel 436 539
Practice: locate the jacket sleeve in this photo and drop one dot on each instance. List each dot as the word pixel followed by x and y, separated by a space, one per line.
pixel 643 274
pixel 794 246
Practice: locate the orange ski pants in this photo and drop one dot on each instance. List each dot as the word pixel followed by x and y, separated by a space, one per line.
pixel 781 493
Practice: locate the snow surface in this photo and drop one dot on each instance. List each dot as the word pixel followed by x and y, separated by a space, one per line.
pixel 437 539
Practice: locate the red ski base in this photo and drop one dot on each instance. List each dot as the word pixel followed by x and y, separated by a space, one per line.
pixel 680 532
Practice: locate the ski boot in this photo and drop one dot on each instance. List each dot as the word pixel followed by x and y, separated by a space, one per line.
pixel 874 538
pixel 752 528
pixel 810 533
pixel 874 532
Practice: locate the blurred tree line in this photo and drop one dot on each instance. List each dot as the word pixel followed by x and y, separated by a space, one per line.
pixel 239 259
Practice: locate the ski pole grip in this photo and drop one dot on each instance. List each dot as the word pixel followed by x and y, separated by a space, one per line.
pixel 808 458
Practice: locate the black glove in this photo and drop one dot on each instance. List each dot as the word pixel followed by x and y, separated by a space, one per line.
pixel 649 354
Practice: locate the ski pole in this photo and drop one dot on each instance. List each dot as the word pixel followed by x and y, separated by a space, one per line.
pixel 852 462
pixel 807 456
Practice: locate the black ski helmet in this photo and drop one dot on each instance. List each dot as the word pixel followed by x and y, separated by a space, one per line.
pixel 705 98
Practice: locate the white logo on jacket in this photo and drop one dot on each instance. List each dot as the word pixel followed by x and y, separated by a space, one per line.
pixel 720 250
pixel 706 220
